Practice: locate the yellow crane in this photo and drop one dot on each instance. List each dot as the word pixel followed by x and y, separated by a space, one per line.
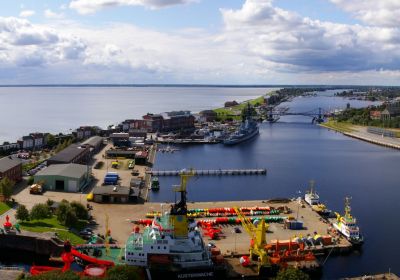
pixel 178 214
pixel 258 240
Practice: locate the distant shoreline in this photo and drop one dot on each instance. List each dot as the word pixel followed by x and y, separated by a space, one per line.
pixel 197 85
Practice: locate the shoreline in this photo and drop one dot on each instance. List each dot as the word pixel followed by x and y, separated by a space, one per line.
pixel 365 136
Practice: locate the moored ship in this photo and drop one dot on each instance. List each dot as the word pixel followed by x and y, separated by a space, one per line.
pixel 347 225
pixel 312 199
pixel 171 247
pixel 247 130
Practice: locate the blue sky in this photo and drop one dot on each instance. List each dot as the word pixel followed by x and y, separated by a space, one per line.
pixel 200 41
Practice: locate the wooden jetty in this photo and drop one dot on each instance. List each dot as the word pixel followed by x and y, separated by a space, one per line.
pixel 209 172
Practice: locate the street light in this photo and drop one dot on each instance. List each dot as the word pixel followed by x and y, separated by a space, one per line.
pixel 298 205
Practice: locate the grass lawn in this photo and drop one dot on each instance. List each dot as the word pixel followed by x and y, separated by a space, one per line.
pixel 52 225
pixel 234 112
pixel 338 126
pixel 4 208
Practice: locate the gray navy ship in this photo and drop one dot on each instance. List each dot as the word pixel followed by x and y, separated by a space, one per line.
pixel 247 130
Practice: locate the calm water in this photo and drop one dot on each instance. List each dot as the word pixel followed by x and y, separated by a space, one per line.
pixel 59 109
pixel 294 151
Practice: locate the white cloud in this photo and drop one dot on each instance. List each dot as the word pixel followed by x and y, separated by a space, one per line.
pixel 52 15
pixel 91 6
pixel 26 13
pixel 373 12
pixel 259 43
pixel 25 44
pixel 302 44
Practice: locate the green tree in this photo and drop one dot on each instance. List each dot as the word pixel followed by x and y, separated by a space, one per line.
pixel 6 187
pixel 70 218
pixel 80 210
pixel 62 210
pixel 22 213
pixel 51 140
pixel 124 272
pixel 40 211
pixel 292 274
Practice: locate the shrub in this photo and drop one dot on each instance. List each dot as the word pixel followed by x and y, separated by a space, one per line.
pixel 292 274
pixel 124 272
pixel 40 211
pixel 22 213
pixel 80 210
pixel 70 218
pixel 62 211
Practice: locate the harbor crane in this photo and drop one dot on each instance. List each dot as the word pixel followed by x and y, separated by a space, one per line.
pixel 258 240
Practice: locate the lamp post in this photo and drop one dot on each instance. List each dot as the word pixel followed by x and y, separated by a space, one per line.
pixel 298 205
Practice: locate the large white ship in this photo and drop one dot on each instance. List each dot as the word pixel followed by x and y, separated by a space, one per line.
pixel 311 197
pixel 171 244
pixel 347 225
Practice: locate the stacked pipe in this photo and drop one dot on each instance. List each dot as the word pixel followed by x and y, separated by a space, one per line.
pixel 235 221
pixel 224 212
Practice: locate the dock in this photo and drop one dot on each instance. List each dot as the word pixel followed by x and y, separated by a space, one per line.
pixel 209 172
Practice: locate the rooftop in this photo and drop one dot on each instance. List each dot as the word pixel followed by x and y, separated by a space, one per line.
pixel 7 163
pixel 93 141
pixel 68 170
pixel 68 154
pixel 109 190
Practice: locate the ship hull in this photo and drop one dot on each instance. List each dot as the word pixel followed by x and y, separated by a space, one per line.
pixel 354 242
pixel 242 139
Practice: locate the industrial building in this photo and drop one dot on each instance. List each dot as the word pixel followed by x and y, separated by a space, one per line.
pixel 64 177
pixel 94 143
pixel 74 153
pixel 114 194
pixel 11 168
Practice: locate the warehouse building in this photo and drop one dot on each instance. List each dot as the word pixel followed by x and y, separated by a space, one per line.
pixel 113 194
pixel 94 143
pixel 11 168
pixel 72 154
pixel 64 177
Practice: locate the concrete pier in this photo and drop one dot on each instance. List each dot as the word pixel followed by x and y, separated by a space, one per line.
pixel 209 172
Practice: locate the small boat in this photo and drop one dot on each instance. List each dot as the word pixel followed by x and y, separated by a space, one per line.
pixel 155 184
pixel 347 225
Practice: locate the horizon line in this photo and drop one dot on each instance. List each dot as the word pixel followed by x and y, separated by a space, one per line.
pixel 198 85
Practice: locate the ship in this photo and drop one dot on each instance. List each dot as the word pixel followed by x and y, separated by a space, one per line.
pixel 155 184
pixel 171 247
pixel 312 199
pixel 247 130
pixel 347 225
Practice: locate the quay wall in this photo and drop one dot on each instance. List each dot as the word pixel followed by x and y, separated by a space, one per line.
pixel 33 243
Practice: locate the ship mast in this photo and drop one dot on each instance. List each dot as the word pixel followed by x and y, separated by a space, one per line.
pixel 312 183
pixel 347 208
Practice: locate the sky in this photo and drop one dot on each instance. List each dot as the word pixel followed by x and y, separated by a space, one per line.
pixel 355 42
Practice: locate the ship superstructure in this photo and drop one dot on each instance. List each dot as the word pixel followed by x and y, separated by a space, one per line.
pixel 311 197
pixel 347 225
pixel 170 241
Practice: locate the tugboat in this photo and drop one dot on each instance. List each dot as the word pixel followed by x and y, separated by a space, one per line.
pixel 155 184
pixel 347 225
pixel 247 130
pixel 171 248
